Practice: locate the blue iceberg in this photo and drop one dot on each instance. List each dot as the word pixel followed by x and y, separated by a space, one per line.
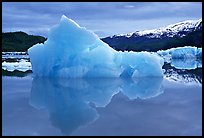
pixel 188 57
pixel 186 52
pixel 72 51
pixel 186 63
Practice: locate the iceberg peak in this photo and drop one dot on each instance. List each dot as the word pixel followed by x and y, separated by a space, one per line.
pixel 68 20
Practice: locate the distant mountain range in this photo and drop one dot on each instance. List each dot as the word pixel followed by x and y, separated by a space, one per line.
pixel 187 33
pixel 175 35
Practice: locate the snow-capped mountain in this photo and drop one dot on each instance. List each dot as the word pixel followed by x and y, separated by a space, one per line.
pixel 178 29
pixel 186 33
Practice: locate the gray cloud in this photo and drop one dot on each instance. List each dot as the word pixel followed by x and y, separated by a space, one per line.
pixel 36 16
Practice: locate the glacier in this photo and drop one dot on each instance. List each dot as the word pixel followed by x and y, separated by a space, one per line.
pixel 72 51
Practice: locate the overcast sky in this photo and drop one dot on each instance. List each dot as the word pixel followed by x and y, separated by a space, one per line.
pixel 104 18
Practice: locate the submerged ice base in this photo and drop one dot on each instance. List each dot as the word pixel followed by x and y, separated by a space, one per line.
pixel 72 51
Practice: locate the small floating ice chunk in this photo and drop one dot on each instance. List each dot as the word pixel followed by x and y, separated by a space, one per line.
pixel 186 52
pixel 188 57
pixel 23 65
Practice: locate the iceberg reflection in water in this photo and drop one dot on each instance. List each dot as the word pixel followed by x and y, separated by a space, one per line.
pixel 71 102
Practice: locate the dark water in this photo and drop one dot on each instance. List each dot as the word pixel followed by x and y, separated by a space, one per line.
pixel 146 106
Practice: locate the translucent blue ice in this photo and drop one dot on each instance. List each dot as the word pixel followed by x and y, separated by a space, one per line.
pixel 186 63
pixel 187 52
pixel 188 57
pixel 72 51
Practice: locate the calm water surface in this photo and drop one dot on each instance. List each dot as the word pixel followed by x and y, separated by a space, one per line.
pixel 146 106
